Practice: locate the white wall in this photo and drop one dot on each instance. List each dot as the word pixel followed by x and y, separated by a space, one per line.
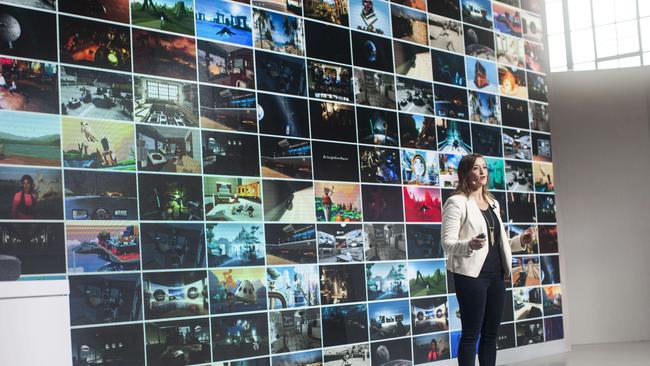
pixel 600 125
pixel 35 323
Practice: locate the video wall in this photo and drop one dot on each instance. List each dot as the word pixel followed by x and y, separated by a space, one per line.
pixel 260 182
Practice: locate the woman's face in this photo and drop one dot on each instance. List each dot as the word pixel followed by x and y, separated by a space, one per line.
pixel 479 173
pixel 434 346
pixel 26 185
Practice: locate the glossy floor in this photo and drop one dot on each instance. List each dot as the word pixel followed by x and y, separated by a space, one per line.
pixel 610 354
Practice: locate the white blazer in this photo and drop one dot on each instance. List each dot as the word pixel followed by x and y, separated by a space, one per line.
pixel 462 220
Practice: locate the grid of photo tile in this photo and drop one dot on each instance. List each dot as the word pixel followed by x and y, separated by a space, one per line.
pixel 260 182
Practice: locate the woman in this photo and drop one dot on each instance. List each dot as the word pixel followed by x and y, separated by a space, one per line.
pixel 433 352
pixel 327 202
pixel 23 205
pixel 479 254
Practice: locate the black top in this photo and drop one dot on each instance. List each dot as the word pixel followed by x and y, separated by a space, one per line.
pixel 493 260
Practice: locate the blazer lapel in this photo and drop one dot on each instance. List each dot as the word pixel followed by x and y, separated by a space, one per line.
pixel 475 212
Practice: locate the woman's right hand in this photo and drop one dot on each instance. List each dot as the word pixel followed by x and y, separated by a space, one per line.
pixel 477 242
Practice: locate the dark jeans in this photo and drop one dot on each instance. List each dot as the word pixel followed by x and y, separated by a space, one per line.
pixel 481 306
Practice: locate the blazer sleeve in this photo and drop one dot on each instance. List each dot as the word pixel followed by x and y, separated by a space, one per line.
pixel 451 222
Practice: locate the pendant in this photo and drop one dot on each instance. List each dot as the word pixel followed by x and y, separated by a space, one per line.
pixel 491 230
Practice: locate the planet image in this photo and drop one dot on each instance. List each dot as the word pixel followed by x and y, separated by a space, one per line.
pixel 382 354
pixel 260 112
pixel 9 29
pixel 371 51
pixel 472 36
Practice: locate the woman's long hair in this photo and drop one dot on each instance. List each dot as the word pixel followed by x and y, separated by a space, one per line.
pixel 465 186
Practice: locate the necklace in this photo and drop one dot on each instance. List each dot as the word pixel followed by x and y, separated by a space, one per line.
pixel 489 219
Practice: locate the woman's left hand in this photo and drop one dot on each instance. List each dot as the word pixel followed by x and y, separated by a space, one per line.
pixel 528 236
